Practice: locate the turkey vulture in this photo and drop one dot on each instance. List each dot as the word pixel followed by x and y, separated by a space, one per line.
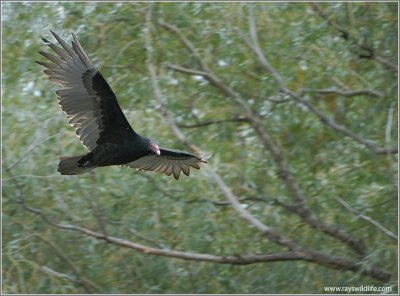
pixel 92 109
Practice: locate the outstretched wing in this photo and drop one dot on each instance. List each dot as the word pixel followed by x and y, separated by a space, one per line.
pixel 168 162
pixel 85 96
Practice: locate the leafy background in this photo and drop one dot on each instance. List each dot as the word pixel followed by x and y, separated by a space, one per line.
pixel 191 214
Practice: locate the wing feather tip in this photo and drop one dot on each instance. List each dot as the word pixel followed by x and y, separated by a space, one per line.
pixel 177 173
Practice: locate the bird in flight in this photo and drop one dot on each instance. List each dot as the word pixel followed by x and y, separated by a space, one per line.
pixel 93 110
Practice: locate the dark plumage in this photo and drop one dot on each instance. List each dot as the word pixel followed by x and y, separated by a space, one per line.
pixel 92 109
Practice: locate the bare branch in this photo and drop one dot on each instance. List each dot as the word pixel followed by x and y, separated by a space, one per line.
pixel 275 101
pixel 368 219
pixel 329 229
pixel 266 230
pixel 385 62
pixel 232 199
pixel 210 122
pixel 345 34
pixel 237 260
pixel 281 84
pixel 81 279
pixel 32 176
pixel 340 83
pixel 225 203
pixel 30 148
pixel 186 70
pixel 340 128
pixel 93 201
pixel 57 274
pixel 334 262
pixel 301 206
pixel 350 93
pixel 389 126
pixel 192 49
pixel 145 238
pixel 257 50
pixel 312 256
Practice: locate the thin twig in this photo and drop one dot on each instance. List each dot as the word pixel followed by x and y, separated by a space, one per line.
pixel 389 126
pixel 225 203
pixel 32 176
pixel 348 93
pixel 52 272
pixel 30 148
pixel 340 128
pixel 186 70
pixel 184 41
pixel 88 284
pixel 385 62
pixel 147 239
pixel 255 46
pixel 344 33
pixel 210 122
pixel 92 201
pixel 368 219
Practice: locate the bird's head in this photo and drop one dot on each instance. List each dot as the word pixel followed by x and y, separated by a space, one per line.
pixel 154 148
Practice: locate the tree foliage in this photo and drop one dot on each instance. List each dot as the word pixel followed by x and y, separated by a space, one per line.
pixel 297 102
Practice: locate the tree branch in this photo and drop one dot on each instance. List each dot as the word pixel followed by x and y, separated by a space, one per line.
pixel 389 126
pixel 254 46
pixel 236 260
pixel 145 238
pixel 88 284
pixel 210 122
pixel 192 49
pixel 345 34
pixel 350 93
pixel 186 70
pixel 334 262
pixel 368 219
pixel 232 199
pixel 93 201
pixel 52 272
pixel 302 208
pixel 340 128
pixel 34 145
pixel 385 62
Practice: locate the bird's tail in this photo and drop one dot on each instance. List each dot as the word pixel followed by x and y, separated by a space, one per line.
pixel 72 165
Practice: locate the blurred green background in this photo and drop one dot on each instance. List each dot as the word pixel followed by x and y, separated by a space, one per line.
pixel 191 214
